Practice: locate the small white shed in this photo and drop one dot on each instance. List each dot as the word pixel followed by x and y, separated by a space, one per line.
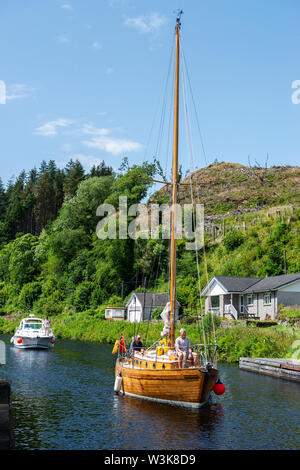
pixel 140 305
pixel 114 313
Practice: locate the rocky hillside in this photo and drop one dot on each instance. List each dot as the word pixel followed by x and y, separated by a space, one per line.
pixel 228 187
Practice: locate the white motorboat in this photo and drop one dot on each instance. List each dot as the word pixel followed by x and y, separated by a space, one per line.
pixel 33 333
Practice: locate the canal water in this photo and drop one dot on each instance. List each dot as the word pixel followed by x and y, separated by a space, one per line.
pixel 63 399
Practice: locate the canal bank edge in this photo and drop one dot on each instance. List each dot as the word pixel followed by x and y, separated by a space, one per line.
pixel 238 340
pixel 6 419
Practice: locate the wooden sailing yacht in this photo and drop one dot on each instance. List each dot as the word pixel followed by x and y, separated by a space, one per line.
pixel 156 374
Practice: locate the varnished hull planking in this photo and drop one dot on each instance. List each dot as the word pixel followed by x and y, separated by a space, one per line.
pixel 188 387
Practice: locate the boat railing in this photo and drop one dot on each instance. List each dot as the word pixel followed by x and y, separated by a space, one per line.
pixel 207 353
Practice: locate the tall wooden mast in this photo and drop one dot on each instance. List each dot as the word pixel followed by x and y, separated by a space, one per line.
pixel 174 189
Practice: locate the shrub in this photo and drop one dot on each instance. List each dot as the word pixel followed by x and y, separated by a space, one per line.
pixel 114 301
pixel 233 239
pixel 211 321
pixel 189 319
pixel 155 314
pixel 290 312
pixel 240 341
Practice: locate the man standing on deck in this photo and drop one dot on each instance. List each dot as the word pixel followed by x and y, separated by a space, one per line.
pixel 184 349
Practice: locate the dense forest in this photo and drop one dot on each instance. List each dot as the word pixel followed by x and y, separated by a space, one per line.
pixel 52 262
pixel 49 249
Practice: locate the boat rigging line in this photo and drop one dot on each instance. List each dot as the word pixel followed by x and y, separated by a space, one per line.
pixel 190 147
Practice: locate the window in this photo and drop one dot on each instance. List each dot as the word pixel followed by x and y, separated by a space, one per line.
pixel 33 326
pixel 215 301
pixel 250 299
pixel 267 298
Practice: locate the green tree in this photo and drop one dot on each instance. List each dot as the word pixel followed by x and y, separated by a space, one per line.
pixel 133 184
pixel 101 170
pixel 3 201
pixel 273 263
pixel 74 176
pixel 22 267
pixel 82 297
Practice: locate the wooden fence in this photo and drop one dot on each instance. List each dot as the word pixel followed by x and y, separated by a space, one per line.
pixel 217 227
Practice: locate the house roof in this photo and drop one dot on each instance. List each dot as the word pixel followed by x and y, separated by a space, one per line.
pixel 272 283
pixel 237 284
pixel 153 299
pixel 248 285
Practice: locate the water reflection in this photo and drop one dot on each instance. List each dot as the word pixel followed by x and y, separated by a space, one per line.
pixel 27 358
pixel 163 424
pixel 63 399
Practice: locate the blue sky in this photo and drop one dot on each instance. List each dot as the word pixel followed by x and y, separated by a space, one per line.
pixel 85 79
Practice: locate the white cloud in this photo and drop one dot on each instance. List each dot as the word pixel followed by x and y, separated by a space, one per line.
pixel 146 24
pixel 113 145
pixel 97 138
pixel 18 91
pixel 66 148
pixel 2 92
pixel 87 160
pixel 67 6
pixel 64 39
pixel 50 129
pixel 97 45
pixel 102 140
pixel 112 3
pixel 92 130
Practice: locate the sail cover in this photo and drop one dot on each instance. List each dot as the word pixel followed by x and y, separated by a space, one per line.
pixel 165 315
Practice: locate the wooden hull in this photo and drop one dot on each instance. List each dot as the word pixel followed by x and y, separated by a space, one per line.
pixel 185 387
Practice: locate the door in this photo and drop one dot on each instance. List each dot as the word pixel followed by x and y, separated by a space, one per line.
pixel 134 315
pixel 241 304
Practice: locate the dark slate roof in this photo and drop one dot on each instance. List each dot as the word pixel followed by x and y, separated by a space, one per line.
pixel 154 299
pixel 237 284
pixel 272 283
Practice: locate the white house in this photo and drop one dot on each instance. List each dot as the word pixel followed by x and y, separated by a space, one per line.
pixel 246 297
pixel 141 304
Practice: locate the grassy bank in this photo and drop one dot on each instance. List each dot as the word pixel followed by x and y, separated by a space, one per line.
pixel 234 342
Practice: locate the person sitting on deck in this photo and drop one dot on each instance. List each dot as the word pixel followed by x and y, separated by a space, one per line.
pixel 184 349
pixel 136 345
